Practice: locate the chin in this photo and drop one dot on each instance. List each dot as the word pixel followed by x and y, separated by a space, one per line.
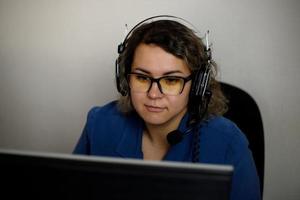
pixel 154 119
pixel 155 122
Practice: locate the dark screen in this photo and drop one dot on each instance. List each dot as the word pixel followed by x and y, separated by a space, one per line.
pixel 78 177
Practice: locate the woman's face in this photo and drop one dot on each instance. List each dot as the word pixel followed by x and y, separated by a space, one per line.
pixel 154 107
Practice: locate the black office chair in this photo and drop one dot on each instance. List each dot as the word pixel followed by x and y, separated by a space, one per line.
pixel 243 110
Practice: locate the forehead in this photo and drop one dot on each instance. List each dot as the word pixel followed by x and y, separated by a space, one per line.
pixel 156 60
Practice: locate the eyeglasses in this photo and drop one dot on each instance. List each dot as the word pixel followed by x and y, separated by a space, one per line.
pixel 168 85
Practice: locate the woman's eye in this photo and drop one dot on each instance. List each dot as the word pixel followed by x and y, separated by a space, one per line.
pixel 172 81
pixel 141 78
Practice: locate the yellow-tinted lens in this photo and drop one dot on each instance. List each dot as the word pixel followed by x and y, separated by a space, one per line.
pixel 139 83
pixel 171 85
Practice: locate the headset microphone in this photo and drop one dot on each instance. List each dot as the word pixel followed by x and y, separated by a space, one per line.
pixel 176 136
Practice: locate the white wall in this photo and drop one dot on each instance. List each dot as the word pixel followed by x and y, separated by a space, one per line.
pixel 57 61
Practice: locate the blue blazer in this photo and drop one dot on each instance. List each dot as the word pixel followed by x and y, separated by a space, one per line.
pixel 108 132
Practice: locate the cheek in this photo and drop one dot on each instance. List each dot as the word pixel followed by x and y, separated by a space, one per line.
pixel 178 102
pixel 185 93
pixel 136 99
pixel 184 97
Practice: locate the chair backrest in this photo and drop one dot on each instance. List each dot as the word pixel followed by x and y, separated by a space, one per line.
pixel 243 110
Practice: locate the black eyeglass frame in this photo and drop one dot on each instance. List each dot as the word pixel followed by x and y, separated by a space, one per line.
pixel 156 80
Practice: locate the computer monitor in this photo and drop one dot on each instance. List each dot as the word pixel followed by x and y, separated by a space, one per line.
pixel 37 175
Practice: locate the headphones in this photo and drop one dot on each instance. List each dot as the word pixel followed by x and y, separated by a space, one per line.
pixel 201 78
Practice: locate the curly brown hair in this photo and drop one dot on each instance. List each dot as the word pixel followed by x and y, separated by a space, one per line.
pixel 182 42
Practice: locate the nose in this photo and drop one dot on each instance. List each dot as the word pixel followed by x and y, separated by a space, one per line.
pixel 154 91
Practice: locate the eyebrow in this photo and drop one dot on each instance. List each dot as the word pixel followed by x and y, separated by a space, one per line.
pixel 166 73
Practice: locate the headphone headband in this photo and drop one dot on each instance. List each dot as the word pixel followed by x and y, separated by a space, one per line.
pixel 122 45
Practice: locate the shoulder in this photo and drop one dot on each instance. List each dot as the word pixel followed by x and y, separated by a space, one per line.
pixel 109 108
pixel 104 129
pixel 224 128
pixel 102 116
pixel 109 117
pixel 107 111
pixel 223 137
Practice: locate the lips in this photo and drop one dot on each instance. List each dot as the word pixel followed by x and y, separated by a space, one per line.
pixel 154 108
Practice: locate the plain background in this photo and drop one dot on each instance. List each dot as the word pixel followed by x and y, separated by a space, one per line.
pixel 57 61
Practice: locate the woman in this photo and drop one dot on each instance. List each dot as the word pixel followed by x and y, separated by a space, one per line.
pixel 161 68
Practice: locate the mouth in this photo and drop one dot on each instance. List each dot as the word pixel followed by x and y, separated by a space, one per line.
pixel 155 109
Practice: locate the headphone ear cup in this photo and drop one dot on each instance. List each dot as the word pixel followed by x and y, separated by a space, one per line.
pixel 200 82
pixel 199 95
pixel 120 81
pixel 196 86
